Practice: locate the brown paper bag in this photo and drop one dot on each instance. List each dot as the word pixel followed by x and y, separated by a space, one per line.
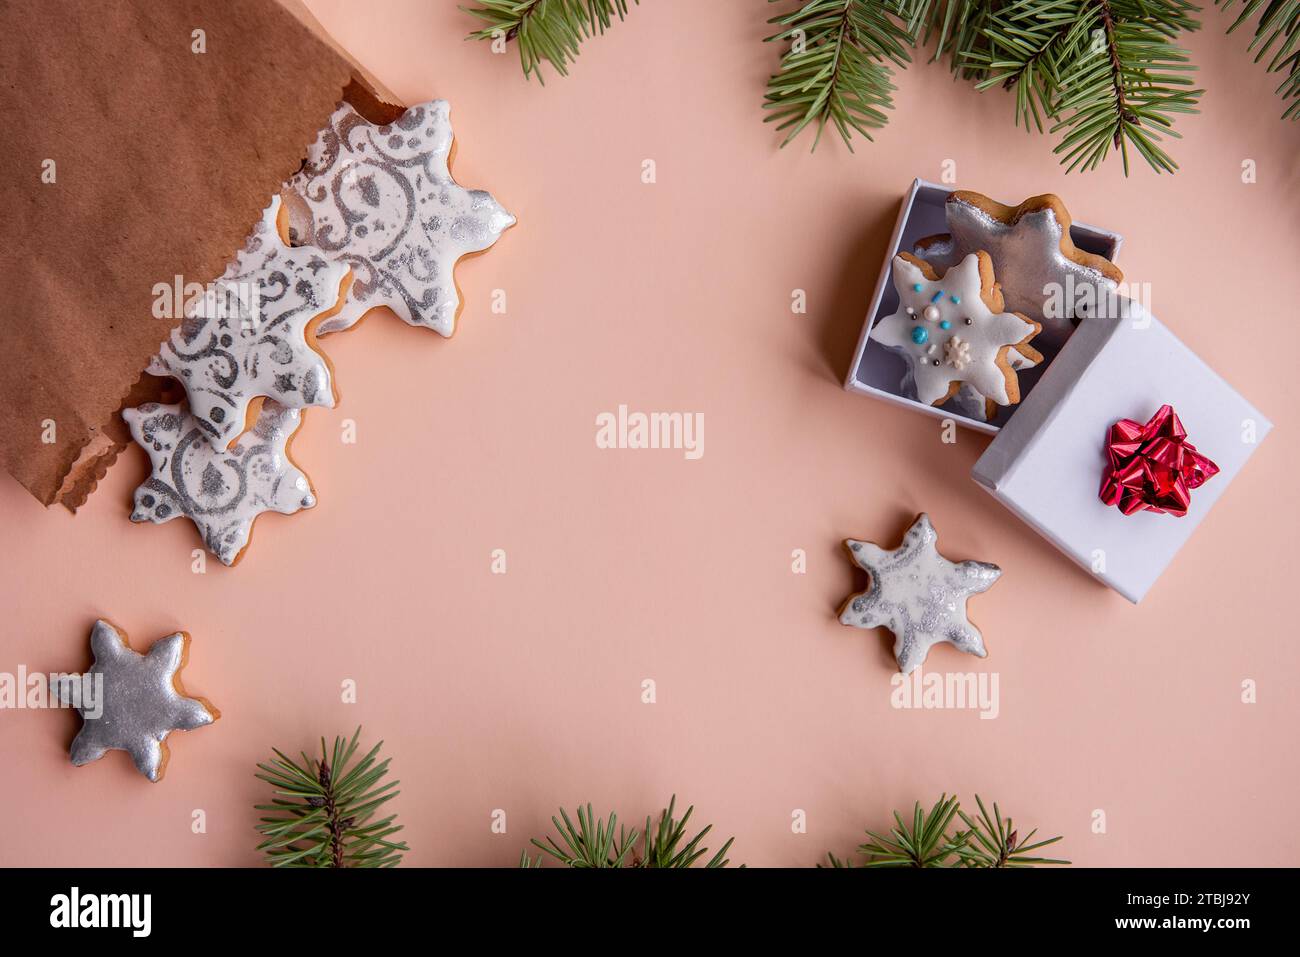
pixel 142 138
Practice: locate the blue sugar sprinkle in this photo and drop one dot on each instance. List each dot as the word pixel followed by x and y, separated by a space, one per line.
pixel 937 296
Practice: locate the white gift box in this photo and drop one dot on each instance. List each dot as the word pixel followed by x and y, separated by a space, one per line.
pixel 878 372
pixel 1047 458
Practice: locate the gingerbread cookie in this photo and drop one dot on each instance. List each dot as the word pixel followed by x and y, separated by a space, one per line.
pixel 222 491
pixel 382 200
pixel 918 595
pixel 252 334
pixel 1042 273
pixel 141 700
pixel 952 330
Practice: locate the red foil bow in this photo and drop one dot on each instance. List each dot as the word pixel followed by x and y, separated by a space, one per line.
pixel 1153 466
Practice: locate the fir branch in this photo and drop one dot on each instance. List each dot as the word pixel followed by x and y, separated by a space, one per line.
pixel 663 847
pixel 924 841
pixel 835 69
pixel 1105 71
pixel 1278 22
pixel 591 844
pixel 322 816
pixel 994 842
pixel 955 26
pixel 595 843
pixel 1022 47
pixel 545 30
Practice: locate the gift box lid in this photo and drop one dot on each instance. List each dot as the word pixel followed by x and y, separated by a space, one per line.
pixel 1047 462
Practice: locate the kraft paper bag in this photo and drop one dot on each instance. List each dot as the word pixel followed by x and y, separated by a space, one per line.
pixel 142 139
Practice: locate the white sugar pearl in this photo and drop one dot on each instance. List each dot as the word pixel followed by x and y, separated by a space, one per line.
pixel 931 313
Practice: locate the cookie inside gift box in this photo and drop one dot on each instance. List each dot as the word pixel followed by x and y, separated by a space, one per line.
pixel 975 300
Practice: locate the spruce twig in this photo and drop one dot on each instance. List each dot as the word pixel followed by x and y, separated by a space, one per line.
pixel 924 841
pixel 596 843
pixel 545 30
pixel 835 70
pixel 994 842
pixel 322 816
pixel 1105 74
pixel 1277 24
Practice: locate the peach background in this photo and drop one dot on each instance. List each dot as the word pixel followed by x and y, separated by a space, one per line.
pixel 522 691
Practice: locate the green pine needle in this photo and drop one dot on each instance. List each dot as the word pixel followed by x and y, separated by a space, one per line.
pixel 955 26
pixel 545 30
pixel 596 843
pixel 994 842
pixel 924 841
pixel 323 809
pixel 1104 74
pixel 835 68
pixel 1277 29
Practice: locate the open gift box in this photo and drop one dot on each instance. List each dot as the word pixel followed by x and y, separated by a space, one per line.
pixel 1048 453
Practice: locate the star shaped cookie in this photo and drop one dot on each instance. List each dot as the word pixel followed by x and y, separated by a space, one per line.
pixel 1042 273
pixel 222 491
pixel 139 702
pixel 918 595
pixel 953 330
pixel 252 334
pixel 382 200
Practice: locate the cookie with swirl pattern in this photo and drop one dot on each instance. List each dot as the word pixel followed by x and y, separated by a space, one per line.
pixel 252 334
pixel 382 200
pixel 221 490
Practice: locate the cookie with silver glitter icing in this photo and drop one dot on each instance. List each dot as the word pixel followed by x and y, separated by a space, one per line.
pixel 918 595
pixel 382 200
pixel 222 491
pixel 952 330
pixel 1042 273
pixel 131 702
pixel 252 334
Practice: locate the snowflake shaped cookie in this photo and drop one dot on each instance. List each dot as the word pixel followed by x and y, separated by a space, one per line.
pixel 918 595
pixel 138 703
pixel 1042 273
pixel 953 330
pixel 249 335
pixel 382 200
pixel 221 490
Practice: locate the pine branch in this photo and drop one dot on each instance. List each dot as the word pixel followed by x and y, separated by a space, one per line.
pixel 924 842
pixel 1023 47
pixel 955 26
pixel 1278 22
pixel 594 843
pixel 835 69
pixel 663 847
pixel 1106 72
pixel 591 844
pixel 545 30
pixel 994 842
pixel 323 814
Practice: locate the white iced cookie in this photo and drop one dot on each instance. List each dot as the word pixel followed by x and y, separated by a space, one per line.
pixel 918 595
pixel 250 334
pixel 222 491
pixel 952 330
pixel 971 404
pixel 382 200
